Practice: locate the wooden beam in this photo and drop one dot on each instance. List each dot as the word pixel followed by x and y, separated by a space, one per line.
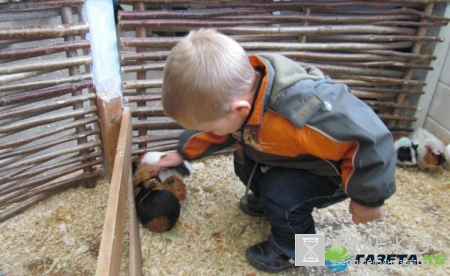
pixel 135 239
pixel 110 114
pixel 109 258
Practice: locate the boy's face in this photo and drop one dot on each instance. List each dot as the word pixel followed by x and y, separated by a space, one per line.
pixel 230 123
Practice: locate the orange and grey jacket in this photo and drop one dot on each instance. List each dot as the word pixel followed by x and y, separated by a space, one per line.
pixel 301 120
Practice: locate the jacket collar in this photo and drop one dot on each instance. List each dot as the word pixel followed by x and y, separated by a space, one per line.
pixel 262 91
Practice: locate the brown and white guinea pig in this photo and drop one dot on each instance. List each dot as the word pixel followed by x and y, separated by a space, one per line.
pixel 158 203
pixel 158 196
pixel 406 152
pixel 430 150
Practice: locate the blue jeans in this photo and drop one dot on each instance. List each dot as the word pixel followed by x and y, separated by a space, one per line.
pixel 287 197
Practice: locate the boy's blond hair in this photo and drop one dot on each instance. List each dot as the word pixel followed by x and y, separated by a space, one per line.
pixel 204 73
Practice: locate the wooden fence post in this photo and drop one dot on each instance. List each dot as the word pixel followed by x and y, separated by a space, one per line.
pixel 110 114
pixel 109 258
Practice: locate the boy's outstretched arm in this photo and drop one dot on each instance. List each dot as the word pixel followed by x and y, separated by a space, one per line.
pixel 172 159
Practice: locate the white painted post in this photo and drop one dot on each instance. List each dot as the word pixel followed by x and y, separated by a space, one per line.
pixel 433 76
pixel 99 14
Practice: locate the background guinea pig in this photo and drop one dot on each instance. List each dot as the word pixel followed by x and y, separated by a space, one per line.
pixel 430 150
pixel 406 152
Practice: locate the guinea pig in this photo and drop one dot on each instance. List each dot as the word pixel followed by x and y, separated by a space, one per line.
pixel 158 197
pixel 406 152
pixel 158 209
pixel 430 150
pixel 143 164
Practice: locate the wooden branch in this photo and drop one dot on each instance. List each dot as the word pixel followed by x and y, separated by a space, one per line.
pixel 47 144
pixel 135 256
pixel 31 138
pixel 21 76
pixel 39 4
pixel 46 83
pixel 376 104
pixel 374 38
pixel 387 81
pixel 146 67
pixel 43 31
pixel 389 91
pixel 51 155
pixel 170 42
pixel 186 14
pixel 43 50
pixel 148 111
pixel 144 56
pixel 155 148
pixel 137 84
pixel 111 244
pixel 349 71
pixel 45 65
pixel 27 15
pixel 185 25
pixel 44 93
pixel 24 194
pixel 397 64
pixel 26 124
pixel 319 19
pixel 153 139
pixel 29 173
pixel 56 104
pixel 143 98
pixel 141 75
pixel 110 114
pixel 155 125
pixel 282 5
pixel 19 208
pixel 397 118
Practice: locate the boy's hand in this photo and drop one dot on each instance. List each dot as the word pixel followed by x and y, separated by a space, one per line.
pixel 363 214
pixel 172 159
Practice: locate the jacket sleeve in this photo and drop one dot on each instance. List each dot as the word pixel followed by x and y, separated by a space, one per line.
pixel 368 166
pixel 195 145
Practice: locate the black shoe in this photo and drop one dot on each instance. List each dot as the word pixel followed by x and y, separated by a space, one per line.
pixel 265 257
pixel 252 206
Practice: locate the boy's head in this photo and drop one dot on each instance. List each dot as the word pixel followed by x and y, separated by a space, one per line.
pixel 204 75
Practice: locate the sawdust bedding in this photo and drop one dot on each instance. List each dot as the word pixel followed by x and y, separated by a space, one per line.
pixel 61 236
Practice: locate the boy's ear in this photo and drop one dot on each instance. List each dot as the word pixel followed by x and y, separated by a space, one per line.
pixel 241 107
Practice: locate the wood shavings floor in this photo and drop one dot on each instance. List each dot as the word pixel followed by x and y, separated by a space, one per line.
pixel 61 236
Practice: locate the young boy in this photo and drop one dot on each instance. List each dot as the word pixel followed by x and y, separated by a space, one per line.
pixel 305 142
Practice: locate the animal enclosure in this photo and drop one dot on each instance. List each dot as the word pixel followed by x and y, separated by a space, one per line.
pixel 52 116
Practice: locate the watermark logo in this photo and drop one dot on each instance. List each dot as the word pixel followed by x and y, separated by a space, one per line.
pixel 337 258
pixel 310 249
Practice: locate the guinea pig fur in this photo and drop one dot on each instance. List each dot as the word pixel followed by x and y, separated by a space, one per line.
pixel 447 156
pixel 158 210
pixel 158 197
pixel 406 152
pixel 431 150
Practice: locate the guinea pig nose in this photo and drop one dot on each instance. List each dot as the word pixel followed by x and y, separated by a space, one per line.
pixel 441 159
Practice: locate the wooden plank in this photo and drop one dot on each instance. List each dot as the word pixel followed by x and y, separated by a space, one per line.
pixel 110 114
pixel 135 239
pixel 109 258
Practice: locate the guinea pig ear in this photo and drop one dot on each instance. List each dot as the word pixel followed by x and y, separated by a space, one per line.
pixel 414 146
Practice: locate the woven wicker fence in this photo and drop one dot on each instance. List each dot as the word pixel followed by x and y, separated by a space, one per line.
pixel 378 48
pixel 48 124
pixel 49 131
